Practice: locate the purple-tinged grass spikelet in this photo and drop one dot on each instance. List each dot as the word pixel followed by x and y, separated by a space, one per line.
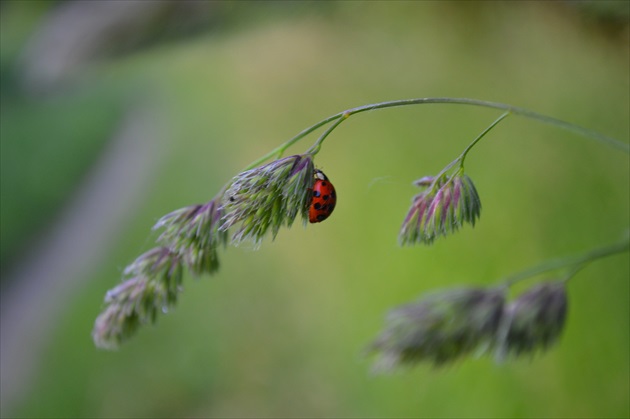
pixel 268 197
pixel 447 203
pixel 153 284
pixel 194 233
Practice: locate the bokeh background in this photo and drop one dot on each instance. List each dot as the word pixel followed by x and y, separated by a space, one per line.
pixel 115 113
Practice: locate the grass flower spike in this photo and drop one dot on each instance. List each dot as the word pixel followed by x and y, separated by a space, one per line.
pixel 446 205
pixel 534 320
pixel 440 328
pixel 153 284
pixel 193 232
pixel 269 197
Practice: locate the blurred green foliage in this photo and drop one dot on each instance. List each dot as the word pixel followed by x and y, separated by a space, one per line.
pixel 279 332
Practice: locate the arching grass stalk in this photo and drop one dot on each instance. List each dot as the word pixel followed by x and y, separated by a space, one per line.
pixel 526 113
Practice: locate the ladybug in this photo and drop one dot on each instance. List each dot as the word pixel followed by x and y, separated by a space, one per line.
pixel 324 198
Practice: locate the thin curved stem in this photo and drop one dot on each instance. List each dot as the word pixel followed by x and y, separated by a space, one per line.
pixel 462 157
pixel 512 109
pixel 282 147
pixel 594 135
pixel 318 144
pixel 574 272
pixel 577 261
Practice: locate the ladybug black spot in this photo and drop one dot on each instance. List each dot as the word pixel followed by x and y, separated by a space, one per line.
pixel 317 205
pixel 316 194
pixel 321 217
pixel 324 184
pixel 325 197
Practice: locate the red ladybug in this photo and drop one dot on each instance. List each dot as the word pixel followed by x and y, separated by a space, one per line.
pixel 324 198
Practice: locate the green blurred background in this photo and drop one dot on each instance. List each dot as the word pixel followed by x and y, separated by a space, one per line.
pixel 115 114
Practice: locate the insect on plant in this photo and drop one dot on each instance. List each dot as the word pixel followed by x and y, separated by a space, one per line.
pixel 273 191
pixel 324 198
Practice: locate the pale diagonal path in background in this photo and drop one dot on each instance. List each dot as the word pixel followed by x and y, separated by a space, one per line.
pixel 86 230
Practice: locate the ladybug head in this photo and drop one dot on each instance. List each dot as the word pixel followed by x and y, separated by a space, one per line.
pixel 320 175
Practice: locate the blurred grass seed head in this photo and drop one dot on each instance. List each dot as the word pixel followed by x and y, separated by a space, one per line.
pixel 534 320
pixel 440 328
pixel 450 324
